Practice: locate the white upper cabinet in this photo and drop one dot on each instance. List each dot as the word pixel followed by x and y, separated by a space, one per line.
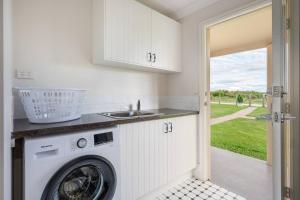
pixel 126 33
pixel 166 42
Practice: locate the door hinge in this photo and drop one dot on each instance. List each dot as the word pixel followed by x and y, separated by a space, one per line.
pixel 284 2
pixel 287 108
pixel 287 23
pixel 287 192
pixel 277 91
pixel 13 143
pixel 276 117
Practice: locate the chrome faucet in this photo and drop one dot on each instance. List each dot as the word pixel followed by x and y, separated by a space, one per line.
pixel 138 106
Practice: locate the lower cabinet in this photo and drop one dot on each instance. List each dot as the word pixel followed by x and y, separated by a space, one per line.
pixel 156 152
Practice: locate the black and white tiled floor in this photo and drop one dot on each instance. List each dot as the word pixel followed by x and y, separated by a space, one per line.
pixel 193 189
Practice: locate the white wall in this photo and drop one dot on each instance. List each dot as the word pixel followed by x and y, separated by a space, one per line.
pixel 5 100
pixel 1 102
pixel 52 39
pixel 187 83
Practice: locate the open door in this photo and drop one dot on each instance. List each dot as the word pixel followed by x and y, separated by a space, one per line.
pixel 281 91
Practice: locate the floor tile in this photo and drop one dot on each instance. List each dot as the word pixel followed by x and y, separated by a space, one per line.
pixel 193 189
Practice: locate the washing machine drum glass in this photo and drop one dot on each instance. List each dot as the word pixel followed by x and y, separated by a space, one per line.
pixel 86 178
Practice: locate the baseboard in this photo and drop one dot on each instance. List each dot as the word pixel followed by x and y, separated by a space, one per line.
pixel 200 174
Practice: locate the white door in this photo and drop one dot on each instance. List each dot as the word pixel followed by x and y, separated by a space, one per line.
pixel 280 97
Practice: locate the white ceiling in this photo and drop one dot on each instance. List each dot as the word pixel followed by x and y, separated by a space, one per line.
pixel 247 32
pixel 177 9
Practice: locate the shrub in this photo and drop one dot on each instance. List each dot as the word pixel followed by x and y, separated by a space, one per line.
pixel 239 99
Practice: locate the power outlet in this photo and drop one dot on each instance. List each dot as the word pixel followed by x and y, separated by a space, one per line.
pixel 23 74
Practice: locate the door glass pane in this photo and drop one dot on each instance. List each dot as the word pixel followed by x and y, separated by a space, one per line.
pixel 83 183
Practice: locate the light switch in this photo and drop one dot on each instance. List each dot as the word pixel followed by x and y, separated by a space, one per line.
pixel 23 74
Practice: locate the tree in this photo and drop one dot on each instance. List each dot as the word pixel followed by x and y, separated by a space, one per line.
pixel 239 99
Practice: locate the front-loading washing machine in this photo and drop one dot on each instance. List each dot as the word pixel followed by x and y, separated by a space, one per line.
pixel 76 166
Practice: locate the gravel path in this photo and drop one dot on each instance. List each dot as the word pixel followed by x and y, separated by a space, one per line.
pixel 240 114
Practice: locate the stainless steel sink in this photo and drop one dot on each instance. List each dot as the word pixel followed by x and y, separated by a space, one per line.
pixel 129 114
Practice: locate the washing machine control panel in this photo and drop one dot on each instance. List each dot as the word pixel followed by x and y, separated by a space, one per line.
pixel 103 138
pixel 82 143
pixel 92 140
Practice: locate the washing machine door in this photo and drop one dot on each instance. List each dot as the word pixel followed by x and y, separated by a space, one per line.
pixel 85 178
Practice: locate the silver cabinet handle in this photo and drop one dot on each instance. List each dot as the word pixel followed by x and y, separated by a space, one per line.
pixel 154 58
pixel 149 57
pixel 166 129
pixel 171 127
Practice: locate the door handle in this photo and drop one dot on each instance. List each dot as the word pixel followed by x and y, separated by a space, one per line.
pixel 283 118
pixel 171 127
pixel 267 117
pixel 287 117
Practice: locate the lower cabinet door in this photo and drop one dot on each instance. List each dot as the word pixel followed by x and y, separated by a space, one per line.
pixel 144 154
pixel 154 153
pixel 182 146
pixel 188 134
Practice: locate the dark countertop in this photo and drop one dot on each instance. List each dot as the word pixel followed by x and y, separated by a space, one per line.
pixel 22 128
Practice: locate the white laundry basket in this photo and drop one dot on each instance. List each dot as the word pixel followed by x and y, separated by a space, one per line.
pixel 52 105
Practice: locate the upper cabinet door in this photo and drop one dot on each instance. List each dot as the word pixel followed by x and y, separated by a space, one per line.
pixel 128 32
pixel 166 43
pixel 139 35
pixel 116 30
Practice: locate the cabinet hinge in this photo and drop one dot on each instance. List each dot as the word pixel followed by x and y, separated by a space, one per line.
pixel 287 192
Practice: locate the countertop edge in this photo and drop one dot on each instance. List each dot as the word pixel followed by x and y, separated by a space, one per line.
pixel 95 125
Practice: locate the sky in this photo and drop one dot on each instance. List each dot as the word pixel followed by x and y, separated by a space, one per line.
pixel 244 71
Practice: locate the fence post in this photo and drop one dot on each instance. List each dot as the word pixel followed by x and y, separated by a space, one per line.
pixel 250 100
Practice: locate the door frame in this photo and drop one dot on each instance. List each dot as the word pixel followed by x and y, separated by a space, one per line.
pixel 204 157
pixel 295 98
pixel 204 170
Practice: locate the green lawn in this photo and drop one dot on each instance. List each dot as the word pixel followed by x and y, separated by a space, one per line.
pixel 243 136
pixel 220 110
pixel 259 111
